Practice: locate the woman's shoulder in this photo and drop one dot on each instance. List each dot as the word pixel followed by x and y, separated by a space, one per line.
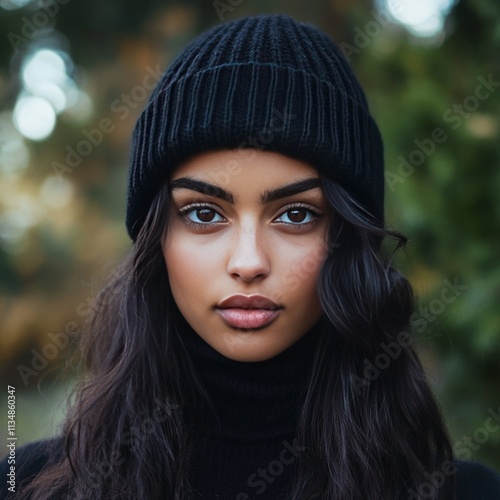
pixel 476 481
pixel 24 463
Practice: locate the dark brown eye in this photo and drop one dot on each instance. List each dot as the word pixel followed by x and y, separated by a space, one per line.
pixel 297 214
pixel 202 215
pixel 205 214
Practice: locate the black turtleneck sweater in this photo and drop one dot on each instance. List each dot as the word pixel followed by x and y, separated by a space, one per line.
pixel 253 453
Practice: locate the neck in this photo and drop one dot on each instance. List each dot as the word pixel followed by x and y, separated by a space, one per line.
pixel 254 400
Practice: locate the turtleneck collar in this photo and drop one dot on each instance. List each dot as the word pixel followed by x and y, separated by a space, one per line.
pixel 254 400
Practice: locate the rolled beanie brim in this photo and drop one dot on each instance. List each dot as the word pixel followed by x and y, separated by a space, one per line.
pixel 263 105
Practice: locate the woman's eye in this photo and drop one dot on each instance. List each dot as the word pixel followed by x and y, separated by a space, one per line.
pixel 297 215
pixel 203 215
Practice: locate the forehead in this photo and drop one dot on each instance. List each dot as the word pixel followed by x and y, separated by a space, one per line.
pixel 244 168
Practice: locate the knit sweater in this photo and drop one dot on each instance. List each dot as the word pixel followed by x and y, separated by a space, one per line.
pixel 257 404
pixel 253 454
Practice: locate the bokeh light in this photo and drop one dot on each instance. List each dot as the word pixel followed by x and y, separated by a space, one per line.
pixel 42 66
pixel 14 4
pixel 79 106
pixel 47 90
pixel 55 192
pixel 14 154
pixel 23 213
pixel 424 18
pixel 53 94
pixel 34 117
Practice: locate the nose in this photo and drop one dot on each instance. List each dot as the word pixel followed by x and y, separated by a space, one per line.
pixel 248 257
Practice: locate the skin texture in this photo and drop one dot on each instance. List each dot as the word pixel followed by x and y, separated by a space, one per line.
pixel 246 246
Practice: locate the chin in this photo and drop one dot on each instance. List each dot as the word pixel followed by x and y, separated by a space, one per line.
pixel 248 346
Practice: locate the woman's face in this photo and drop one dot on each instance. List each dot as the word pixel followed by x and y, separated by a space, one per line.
pixel 246 240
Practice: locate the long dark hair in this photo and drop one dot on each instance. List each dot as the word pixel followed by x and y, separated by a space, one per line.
pixel 136 420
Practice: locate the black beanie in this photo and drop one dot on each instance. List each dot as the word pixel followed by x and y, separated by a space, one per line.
pixel 264 81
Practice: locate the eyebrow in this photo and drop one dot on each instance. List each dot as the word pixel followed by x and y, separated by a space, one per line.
pixel 267 197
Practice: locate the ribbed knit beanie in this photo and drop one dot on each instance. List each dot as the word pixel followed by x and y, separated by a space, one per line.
pixel 267 82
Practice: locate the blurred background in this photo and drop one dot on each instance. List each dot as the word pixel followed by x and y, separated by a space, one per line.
pixel 75 75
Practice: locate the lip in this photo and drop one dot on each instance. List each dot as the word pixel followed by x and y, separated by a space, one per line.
pixel 248 311
pixel 247 302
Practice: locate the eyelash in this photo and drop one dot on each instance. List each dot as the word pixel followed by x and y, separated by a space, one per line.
pixel 185 211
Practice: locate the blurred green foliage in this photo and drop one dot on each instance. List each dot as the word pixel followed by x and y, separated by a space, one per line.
pixel 443 180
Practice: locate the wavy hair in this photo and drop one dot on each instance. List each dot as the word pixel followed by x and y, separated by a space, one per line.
pixel 136 417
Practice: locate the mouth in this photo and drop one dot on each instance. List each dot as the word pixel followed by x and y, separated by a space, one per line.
pixel 248 312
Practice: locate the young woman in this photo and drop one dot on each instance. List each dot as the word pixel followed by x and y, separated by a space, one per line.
pixel 228 359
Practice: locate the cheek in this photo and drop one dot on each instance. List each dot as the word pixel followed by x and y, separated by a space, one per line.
pixel 301 269
pixel 189 263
